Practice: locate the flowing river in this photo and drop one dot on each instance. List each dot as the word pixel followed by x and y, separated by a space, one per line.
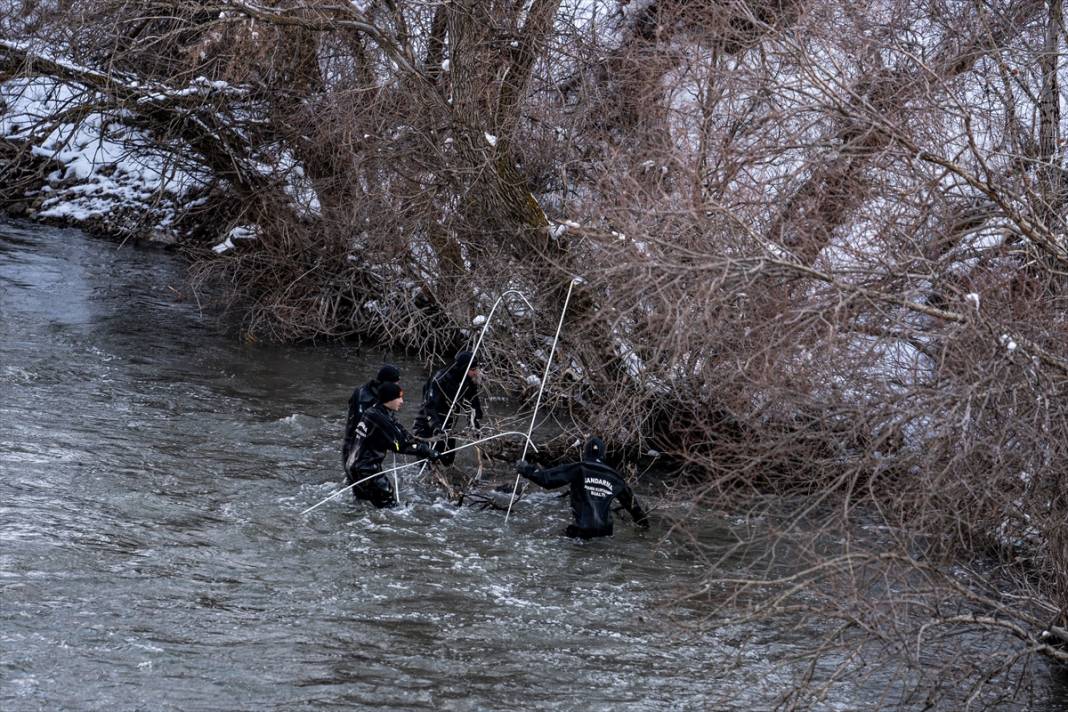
pixel 154 468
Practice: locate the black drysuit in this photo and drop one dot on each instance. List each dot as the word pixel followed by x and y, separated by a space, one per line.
pixel 378 433
pixel 438 395
pixel 362 398
pixel 594 485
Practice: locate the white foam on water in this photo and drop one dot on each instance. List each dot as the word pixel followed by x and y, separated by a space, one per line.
pixel 24 686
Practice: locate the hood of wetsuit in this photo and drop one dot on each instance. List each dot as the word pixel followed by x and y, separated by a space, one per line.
pixel 466 360
pixel 388 374
pixel 593 449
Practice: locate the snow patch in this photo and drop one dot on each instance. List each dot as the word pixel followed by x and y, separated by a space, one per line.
pixel 107 168
pixel 631 361
pixel 241 232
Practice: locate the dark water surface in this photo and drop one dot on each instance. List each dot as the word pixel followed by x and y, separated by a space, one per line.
pixel 153 555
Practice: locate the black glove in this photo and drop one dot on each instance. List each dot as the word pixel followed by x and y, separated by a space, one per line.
pixel 641 519
pixel 427 452
pixel 524 468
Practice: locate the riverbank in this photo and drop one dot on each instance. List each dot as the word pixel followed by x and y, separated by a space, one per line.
pixel 83 189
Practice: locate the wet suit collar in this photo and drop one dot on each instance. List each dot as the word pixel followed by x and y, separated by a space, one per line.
pixel 598 465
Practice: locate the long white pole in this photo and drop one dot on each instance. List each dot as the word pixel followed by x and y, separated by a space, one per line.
pixel 416 462
pixel 537 403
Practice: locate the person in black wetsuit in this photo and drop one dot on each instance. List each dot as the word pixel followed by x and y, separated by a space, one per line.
pixel 378 433
pixel 363 398
pixel 593 487
pixel 438 394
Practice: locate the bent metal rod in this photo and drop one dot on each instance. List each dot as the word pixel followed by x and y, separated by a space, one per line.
pixel 424 460
pixel 537 403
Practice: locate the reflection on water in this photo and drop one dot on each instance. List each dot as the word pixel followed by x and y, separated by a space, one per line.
pixel 153 471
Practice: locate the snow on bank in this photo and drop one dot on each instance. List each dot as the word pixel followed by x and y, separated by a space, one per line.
pixel 105 170
pixel 241 232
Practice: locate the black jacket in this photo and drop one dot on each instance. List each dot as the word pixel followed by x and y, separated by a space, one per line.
pixel 378 433
pixel 594 485
pixel 362 398
pixel 438 394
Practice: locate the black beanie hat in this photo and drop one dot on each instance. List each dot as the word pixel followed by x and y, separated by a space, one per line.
pixel 388 374
pixel 465 358
pixel 593 449
pixel 389 391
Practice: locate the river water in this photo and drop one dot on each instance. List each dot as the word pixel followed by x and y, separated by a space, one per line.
pixel 154 468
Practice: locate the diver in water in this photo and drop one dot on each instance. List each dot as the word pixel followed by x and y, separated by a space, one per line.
pixel 378 433
pixel 594 485
pixel 363 398
pixel 439 393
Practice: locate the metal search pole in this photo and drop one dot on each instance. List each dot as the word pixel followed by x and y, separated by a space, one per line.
pixel 416 462
pixel 537 403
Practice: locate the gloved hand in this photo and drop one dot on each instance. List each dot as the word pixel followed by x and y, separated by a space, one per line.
pixel 524 468
pixel 427 452
pixel 641 519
